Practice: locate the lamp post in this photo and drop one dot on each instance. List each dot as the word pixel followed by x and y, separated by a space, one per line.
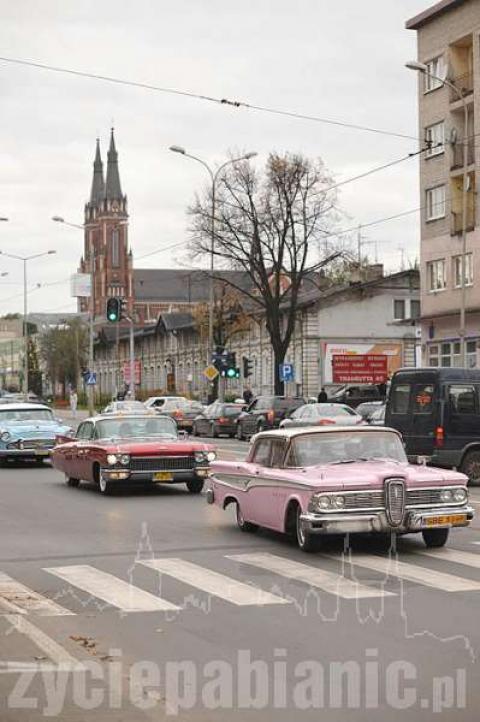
pixel 91 305
pixel 214 175
pixel 25 260
pixel 423 69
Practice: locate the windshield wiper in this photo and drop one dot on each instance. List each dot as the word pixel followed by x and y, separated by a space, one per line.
pixel 348 461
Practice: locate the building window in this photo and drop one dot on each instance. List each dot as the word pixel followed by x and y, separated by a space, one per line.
pixel 471 354
pixel 115 249
pixel 399 309
pixel 435 139
pixel 414 309
pixel 446 354
pixel 435 71
pixel 435 203
pixel 436 275
pixel 457 270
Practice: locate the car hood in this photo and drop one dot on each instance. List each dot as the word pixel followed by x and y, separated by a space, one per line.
pixel 152 447
pixel 350 477
pixel 39 429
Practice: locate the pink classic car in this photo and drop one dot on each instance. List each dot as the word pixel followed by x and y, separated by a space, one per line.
pixel 330 480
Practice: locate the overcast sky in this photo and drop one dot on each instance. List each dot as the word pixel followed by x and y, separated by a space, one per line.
pixel 343 61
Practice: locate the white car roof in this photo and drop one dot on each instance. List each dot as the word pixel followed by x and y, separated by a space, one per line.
pixel 23 407
pixel 299 431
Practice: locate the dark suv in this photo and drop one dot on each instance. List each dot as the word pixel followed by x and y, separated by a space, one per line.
pixel 353 396
pixel 266 412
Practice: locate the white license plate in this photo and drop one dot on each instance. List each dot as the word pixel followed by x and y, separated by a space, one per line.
pixel 42 452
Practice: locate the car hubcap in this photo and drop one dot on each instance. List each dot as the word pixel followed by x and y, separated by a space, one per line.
pixel 240 518
pixel 473 470
pixel 300 532
pixel 103 484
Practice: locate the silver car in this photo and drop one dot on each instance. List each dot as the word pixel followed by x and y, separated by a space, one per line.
pixel 322 414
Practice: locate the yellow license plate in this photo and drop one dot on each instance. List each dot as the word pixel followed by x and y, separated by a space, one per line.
pixel 446 519
pixel 162 476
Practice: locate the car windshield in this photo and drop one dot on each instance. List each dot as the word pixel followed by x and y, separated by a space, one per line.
pixel 333 410
pixel 231 410
pixel 345 447
pixel 136 427
pixel 129 406
pixel 25 415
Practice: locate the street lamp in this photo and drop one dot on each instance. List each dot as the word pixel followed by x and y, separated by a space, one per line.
pixel 422 68
pixel 24 260
pixel 214 178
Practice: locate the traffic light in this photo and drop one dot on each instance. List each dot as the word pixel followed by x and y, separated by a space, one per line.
pixel 247 367
pixel 229 367
pixel 114 310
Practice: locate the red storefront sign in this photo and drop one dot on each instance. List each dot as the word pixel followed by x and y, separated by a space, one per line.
pixel 138 372
pixel 360 369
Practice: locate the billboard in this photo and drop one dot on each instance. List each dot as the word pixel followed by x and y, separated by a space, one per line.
pixel 138 372
pixel 392 351
pixel 360 369
pixel 80 284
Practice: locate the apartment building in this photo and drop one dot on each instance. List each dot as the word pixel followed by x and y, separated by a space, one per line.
pixel 448 35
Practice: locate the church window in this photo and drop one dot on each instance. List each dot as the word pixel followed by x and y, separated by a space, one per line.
pixel 115 249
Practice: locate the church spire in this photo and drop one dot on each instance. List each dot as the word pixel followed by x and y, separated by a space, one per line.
pixel 113 190
pixel 98 185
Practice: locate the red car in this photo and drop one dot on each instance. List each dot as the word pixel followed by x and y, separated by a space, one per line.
pixel 110 450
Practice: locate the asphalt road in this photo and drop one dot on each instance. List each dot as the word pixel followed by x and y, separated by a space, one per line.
pixel 166 610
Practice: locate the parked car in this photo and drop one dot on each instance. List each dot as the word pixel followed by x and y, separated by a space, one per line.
pixel 266 412
pixel 157 402
pixel 334 480
pixel 28 431
pixel 218 418
pixel 355 395
pixel 437 411
pixel 113 450
pixel 378 416
pixel 124 407
pixel 318 414
pixel 367 408
pixel 182 410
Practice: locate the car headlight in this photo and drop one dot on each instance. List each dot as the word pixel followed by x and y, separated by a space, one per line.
pixel 446 495
pixel 211 456
pixel 111 459
pixel 5 436
pixel 324 502
pixel 200 456
pixel 460 495
pixel 124 459
pixel 339 501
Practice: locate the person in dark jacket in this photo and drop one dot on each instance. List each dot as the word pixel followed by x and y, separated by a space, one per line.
pixel 322 396
pixel 247 396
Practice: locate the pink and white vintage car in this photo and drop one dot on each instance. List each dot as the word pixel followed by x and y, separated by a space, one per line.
pixel 330 480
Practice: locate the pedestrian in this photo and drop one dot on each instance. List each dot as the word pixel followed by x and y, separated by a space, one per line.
pixel 322 396
pixel 247 396
pixel 73 402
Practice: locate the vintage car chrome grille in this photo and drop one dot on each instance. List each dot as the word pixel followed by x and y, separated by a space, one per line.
pixel 36 444
pixel 365 500
pixel 395 500
pixel 162 463
pixel 419 497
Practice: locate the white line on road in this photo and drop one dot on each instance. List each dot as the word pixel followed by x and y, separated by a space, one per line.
pixel 453 555
pixel 54 651
pixel 213 583
pixel 422 575
pixel 313 576
pixel 17 598
pixel 110 589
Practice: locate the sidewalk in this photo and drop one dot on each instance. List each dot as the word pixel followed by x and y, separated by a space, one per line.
pixel 67 416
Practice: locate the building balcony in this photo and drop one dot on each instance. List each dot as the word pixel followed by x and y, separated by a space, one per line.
pixel 464 85
pixel 456 222
pixel 457 154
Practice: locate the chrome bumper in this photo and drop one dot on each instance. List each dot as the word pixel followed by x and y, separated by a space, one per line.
pixel 178 477
pixel 26 453
pixel 415 520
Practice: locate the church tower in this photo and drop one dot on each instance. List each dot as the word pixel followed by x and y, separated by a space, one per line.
pixel 106 251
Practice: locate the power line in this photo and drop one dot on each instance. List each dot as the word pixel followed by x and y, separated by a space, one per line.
pixel 208 98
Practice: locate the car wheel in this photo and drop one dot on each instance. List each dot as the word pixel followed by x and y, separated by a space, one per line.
pixel 239 434
pixel 307 542
pixel 70 481
pixel 435 537
pixel 195 486
pixel 104 485
pixel 241 523
pixel 471 467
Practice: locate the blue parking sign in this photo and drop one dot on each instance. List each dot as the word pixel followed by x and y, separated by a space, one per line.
pixel 287 372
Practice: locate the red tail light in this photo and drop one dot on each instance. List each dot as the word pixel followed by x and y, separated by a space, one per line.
pixel 222 420
pixel 326 422
pixel 439 437
pixel 271 416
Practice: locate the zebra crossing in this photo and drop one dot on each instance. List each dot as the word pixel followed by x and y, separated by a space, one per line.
pixel 108 592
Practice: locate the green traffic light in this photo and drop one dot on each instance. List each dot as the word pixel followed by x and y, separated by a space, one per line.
pixel 112 317
pixel 231 373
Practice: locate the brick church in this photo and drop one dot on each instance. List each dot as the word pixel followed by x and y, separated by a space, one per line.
pixel 148 292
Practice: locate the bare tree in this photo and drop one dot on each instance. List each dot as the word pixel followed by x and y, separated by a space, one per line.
pixel 270 226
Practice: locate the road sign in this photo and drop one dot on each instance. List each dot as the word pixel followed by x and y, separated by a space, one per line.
pixel 91 378
pixel 210 372
pixel 287 372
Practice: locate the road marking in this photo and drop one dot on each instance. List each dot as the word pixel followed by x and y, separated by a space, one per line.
pixel 213 583
pixel 453 555
pixel 17 598
pixel 422 575
pixel 54 651
pixel 313 576
pixel 112 590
